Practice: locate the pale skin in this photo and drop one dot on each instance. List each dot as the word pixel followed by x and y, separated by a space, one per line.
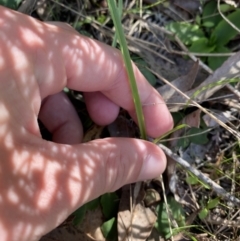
pixel 42 182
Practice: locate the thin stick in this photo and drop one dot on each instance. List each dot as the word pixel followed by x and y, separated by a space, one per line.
pixel 167 207
pixel 194 58
pixel 234 132
pixel 229 22
pixel 215 187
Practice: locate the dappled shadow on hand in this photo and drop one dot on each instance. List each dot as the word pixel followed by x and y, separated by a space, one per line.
pixel 41 183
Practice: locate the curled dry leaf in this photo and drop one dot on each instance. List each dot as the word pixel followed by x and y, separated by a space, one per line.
pixel 183 83
pixel 135 226
pixel 152 197
pixel 93 133
pixel 191 6
pixel 121 127
pixel 229 70
pixel 66 233
pixel 88 230
pixel 224 116
pixel 91 225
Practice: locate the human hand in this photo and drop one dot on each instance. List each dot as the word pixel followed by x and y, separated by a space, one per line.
pixel 42 182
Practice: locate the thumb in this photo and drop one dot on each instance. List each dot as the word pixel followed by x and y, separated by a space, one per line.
pixel 91 169
pixel 44 182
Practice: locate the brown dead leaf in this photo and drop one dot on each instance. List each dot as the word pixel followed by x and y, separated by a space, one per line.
pixel 183 83
pixel 64 233
pixel 154 236
pixel 224 116
pixel 88 230
pixel 91 224
pixel 135 226
pixel 93 133
pixel 152 197
pixel 121 127
pixel 191 120
pixel 229 70
pixel 191 6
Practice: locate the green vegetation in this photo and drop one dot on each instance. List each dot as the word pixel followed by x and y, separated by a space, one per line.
pixel 13 4
pixel 115 13
pixel 210 33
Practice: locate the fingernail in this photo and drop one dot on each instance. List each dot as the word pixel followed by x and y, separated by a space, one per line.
pixel 153 165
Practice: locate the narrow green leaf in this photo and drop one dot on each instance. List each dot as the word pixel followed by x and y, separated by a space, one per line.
pixel 211 85
pixel 92 205
pixel 128 64
pixel 216 62
pixel 109 203
pixel 120 9
pixel 212 203
pixel 79 215
pixel 191 237
pixel 179 127
pixel 202 46
pixel 210 17
pixel 192 178
pixel 224 32
pixel 208 24
pixel 226 8
pixel 209 9
pixel 109 230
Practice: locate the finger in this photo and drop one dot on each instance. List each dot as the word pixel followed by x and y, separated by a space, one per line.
pixel 92 66
pixel 61 119
pixel 102 110
pixel 58 57
pixel 109 76
pixel 91 169
pixel 53 180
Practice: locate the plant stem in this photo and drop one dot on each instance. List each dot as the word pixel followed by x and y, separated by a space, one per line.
pixel 128 64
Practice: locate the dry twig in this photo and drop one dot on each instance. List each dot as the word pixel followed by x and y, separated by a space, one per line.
pixel 216 188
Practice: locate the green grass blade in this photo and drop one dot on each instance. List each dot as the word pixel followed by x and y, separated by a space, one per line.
pixel 120 9
pixel 127 60
pixel 158 139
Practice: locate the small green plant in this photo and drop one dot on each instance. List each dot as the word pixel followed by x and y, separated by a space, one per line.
pixel 109 203
pixel 210 33
pixel 109 229
pixel 212 203
pixel 177 213
pixel 194 135
pixel 13 4
pixel 193 180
